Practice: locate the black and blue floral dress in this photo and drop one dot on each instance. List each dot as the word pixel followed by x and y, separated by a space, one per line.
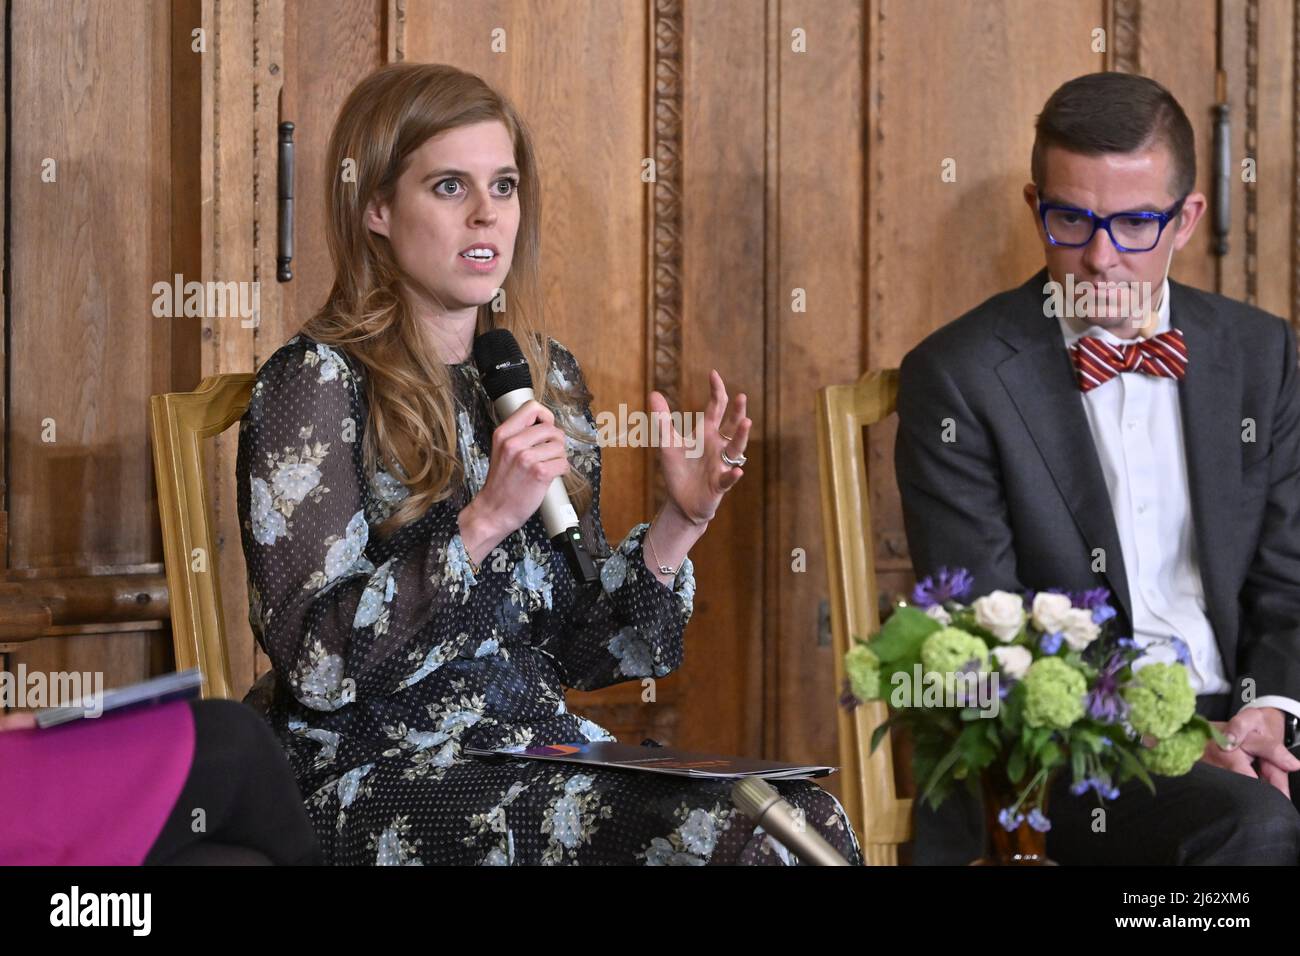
pixel 392 656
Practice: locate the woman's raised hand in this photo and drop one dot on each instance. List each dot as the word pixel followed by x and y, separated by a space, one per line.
pixel 695 485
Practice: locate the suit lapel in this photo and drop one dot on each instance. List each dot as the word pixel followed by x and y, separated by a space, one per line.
pixel 1210 401
pixel 1040 380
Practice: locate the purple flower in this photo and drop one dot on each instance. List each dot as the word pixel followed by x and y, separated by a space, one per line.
pixel 1038 821
pixel 948 585
pixel 1105 705
pixel 1106 708
pixel 1091 599
pixel 848 700
pixel 1125 642
pixel 1102 613
pixel 1180 648
pixel 1050 643
pixel 1008 821
pixel 1102 785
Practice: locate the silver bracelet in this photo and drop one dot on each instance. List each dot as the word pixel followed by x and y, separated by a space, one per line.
pixel 663 568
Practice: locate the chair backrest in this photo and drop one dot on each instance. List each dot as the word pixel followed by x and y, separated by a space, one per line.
pixel 883 819
pixel 180 422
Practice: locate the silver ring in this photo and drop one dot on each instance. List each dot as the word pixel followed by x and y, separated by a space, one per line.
pixel 733 462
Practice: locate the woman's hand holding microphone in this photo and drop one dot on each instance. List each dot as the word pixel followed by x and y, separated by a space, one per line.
pixel 527 455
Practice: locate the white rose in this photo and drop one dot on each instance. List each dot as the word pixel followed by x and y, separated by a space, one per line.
pixel 937 612
pixel 1001 613
pixel 1014 660
pixel 1051 612
pixel 1079 631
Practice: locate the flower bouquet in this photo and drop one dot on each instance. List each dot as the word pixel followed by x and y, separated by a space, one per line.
pixel 1003 693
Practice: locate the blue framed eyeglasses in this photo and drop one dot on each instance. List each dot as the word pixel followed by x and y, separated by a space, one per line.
pixel 1073 227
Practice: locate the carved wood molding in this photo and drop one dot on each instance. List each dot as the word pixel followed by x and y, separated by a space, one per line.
pixel 1252 150
pixel 1123 47
pixel 216 204
pixel 1295 186
pixel 259 104
pixel 395 15
pixel 665 267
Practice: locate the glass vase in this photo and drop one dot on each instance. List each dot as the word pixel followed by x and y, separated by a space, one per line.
pixel 1023 846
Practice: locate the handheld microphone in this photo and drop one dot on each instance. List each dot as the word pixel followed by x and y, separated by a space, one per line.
pixel 504 372
pixel 762 803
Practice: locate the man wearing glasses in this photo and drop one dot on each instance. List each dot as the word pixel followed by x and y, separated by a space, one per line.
pixel 1146 443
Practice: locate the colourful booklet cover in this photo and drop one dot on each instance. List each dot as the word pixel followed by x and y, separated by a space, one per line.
pixel 668 760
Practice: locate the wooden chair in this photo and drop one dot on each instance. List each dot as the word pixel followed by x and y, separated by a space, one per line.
pixel 180 421
pixel 883 819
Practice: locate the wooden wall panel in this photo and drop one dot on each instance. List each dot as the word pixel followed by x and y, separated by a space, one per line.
pixel 817 189
pixel 1259 68
pixel 938 248
pixel 308 58
pixel 1274 148
pixel 90 89
pixel 1185 66
pixel 576 70
pixel 726 221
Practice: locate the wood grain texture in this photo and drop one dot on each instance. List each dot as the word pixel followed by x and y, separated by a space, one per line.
pixel 936 248
pixel 1259 64
pixel 309 58
pixel 818 207
pixel 90 95
pixel 1186 68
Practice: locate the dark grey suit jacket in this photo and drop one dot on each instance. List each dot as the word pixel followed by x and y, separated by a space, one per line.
pixel 1019 499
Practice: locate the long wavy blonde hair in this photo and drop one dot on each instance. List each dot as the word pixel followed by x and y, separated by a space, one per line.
pixel 390 114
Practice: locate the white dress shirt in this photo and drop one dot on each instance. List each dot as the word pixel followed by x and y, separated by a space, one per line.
pixel 1136 424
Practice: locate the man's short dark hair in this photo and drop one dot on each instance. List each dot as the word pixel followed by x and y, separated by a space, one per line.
pixel 1116 113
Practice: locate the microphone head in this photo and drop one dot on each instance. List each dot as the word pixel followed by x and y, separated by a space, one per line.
pixel 501 363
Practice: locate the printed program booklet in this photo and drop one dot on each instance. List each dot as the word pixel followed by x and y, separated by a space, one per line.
pixel 681 763
pixel 181 685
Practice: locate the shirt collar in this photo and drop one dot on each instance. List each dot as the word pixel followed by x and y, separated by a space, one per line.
pixel 1071 335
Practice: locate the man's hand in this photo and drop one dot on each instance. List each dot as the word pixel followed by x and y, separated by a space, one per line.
pixel 1255 734
pixel 20 721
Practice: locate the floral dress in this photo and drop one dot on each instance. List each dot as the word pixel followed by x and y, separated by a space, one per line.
pixel 392 656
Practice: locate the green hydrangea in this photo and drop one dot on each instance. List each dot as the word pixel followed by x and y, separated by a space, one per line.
pixel 1053 693
pixel 1160 699
pixel 948 649
pixel 864 672
pixel 1175 755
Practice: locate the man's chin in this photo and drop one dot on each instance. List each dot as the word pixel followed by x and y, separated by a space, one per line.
pixel 1123 326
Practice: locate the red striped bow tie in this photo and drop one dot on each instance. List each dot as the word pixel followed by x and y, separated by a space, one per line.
pixel 1096 361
